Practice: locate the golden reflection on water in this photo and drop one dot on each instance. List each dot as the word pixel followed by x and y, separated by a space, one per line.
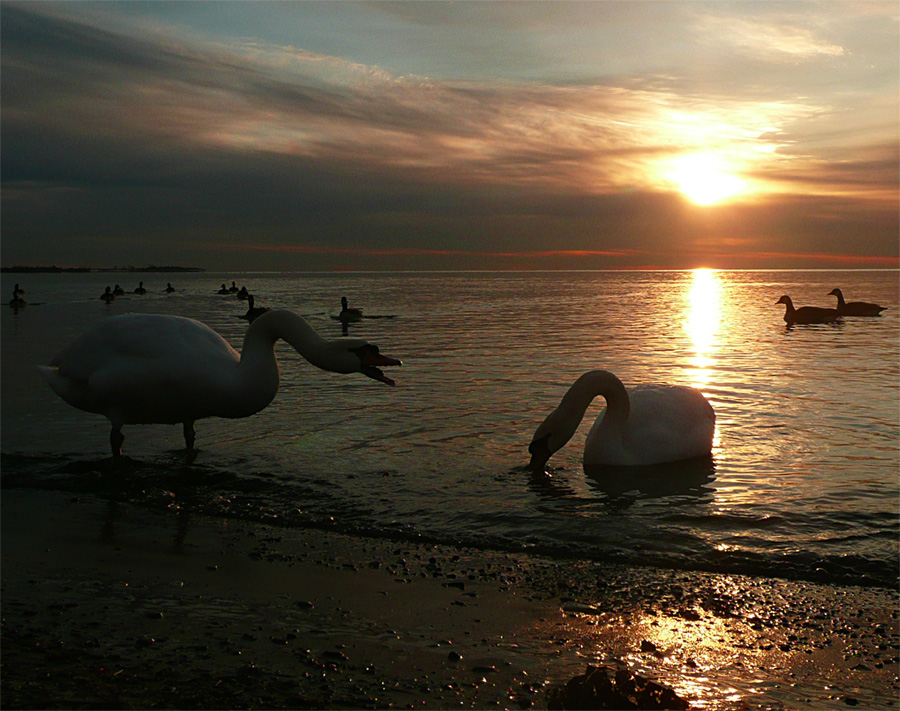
pixel 702 321
pixel 704 315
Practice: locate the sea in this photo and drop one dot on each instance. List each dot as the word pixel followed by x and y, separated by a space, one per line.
pixel 802 484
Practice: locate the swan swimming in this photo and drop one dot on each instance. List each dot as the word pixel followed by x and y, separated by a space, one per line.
pixel 254 312
pixel 806 314
pixel 156 369
pixel 855 308
pixel 643 425
pixel 347 313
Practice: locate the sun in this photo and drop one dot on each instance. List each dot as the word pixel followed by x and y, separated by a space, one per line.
pixel 704 179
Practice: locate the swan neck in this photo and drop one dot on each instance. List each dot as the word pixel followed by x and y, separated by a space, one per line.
pixel 599 383
pixel 272 325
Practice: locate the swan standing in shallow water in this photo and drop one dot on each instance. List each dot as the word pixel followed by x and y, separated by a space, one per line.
pixel 806 314
pixel 644 425
pixel 855 308
pixel 155 369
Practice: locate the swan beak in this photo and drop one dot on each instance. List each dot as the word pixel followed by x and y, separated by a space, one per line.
pixel 540 453
pixel 372 360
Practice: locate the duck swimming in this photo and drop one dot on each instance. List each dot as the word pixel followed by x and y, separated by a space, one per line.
pixel 806 314
pixel 855 308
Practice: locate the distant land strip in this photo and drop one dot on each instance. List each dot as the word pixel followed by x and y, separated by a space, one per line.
pixel 69 270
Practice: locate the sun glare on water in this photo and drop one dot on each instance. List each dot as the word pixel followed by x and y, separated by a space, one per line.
pixel 704 179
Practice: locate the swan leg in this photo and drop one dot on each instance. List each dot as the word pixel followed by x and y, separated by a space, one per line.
pixel 189 435
pixel 115 440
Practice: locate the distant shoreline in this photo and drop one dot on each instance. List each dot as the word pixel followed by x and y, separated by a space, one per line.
pixel 71 270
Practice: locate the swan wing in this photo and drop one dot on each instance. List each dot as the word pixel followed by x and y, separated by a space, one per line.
pixel 146 368
pixel 666 423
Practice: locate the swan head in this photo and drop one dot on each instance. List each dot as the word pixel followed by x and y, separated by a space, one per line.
pixel 352 355
pixel 551 436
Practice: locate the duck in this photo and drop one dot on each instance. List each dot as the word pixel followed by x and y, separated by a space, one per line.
pixel 347 313
pixel 108 296
pixel 640 426
pixel 118 290
pixel 140 289
pixel 254 311
pixel 855 308
pixel 163 369
pixel 169 288
pixel 223 290
pixel 806 314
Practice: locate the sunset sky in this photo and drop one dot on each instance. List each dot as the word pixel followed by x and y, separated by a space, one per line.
pixel 451 135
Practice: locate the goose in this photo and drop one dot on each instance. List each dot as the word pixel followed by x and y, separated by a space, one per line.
pixel 643 425
pixel 140 289
pixel 108 296
pixel 160 369
pixel 806 314
pixel 347 313
pixel 254 311
pixel 855 308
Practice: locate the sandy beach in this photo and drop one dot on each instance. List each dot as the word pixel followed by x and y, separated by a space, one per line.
pixel 106 605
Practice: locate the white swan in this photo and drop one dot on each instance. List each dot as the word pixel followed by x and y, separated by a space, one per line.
pixel 648 424
pixel 145 369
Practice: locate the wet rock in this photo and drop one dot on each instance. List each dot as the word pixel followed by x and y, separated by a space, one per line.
pixel 599 688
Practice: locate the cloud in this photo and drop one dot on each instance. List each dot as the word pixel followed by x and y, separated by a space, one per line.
pixel 769 40
pixel 150 136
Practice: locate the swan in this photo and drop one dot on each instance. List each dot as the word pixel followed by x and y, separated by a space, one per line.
pixel 243 293
pixel 253 312
pixel 140 289
pixel 169 288
pixel 118 290
pixel 806 314
pixel 649 424
pixel 223 290
pixel 108 296
pixel 158 369
pixel 17 301
pixel 233 289
pixel 855 308
pixel 347 313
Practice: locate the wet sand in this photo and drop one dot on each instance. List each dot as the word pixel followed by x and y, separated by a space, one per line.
pixel 106 605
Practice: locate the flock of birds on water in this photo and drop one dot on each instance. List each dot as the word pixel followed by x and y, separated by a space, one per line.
pixel 161 369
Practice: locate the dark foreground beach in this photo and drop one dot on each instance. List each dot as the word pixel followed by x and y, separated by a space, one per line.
pixel 106 605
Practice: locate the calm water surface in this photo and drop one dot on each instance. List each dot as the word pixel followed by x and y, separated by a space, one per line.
pixel 803 483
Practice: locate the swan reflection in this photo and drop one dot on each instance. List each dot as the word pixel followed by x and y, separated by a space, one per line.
pixel 688 478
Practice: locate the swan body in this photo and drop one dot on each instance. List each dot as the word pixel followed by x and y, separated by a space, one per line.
pixel 17 301
pixel 254 312
pixel 147 368
pixel 806 314
pixel 855 308
pixel 644 425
